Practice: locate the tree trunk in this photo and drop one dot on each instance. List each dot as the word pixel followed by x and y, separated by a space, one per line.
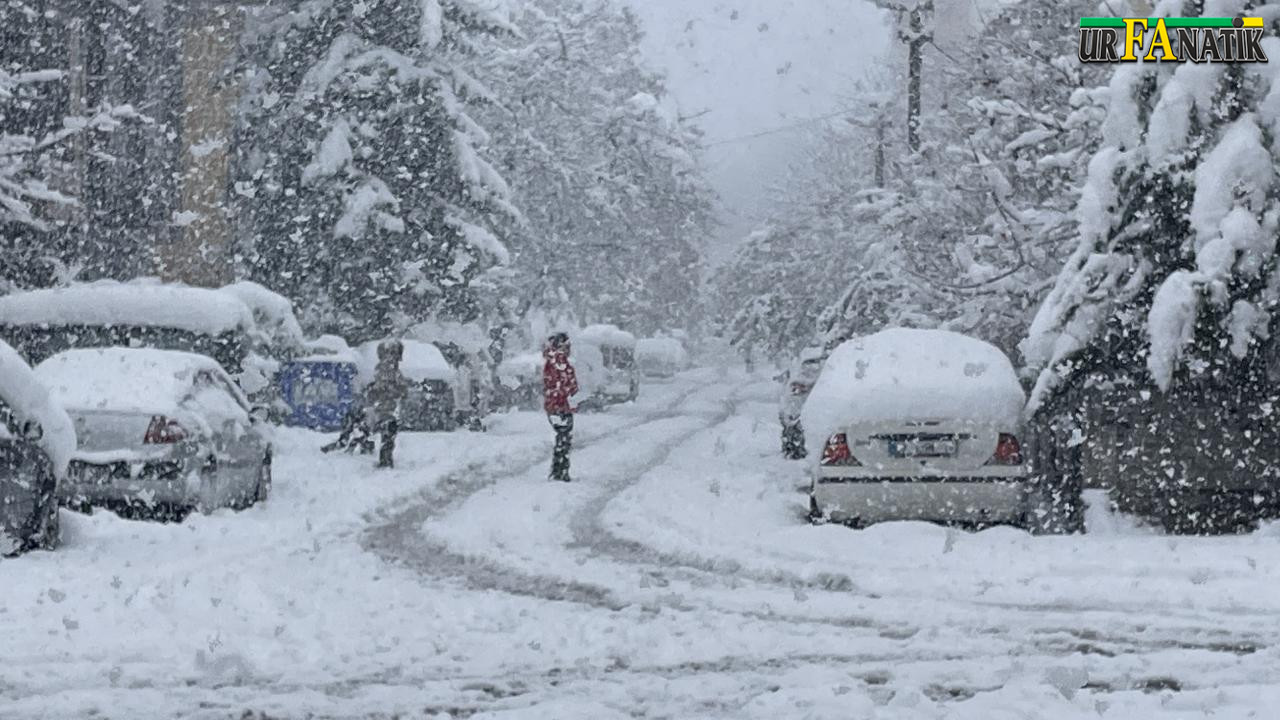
pixel 914 47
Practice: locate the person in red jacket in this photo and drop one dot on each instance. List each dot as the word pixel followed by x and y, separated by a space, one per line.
pixel 559 383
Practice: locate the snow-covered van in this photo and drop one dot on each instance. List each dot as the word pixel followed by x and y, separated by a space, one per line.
pixel 141 313
pixel 921 424
pixel 36 444
pixel 620 381
pixel 429 405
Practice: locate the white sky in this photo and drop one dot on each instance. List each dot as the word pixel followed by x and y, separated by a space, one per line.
pixel 778 63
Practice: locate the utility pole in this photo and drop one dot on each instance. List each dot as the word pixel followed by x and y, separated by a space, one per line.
pixel 913 19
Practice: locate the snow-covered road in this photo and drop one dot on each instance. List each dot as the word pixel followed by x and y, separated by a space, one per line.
pixel 677 578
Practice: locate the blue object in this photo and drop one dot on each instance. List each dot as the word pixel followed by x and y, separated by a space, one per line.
pixel 318 393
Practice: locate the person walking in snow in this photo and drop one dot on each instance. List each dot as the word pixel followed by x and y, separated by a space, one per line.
pixel 383 398
pixel 559 383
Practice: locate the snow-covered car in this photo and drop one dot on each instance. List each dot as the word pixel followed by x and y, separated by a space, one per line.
pixel 922 424
pixel 430 402
pixel 797 381
pixel 660 357
pixel 277 339
pixel 520 381
pixel 143 313
pixel 159 431
pixel 466 347
pixel 36 443
pixel 620 380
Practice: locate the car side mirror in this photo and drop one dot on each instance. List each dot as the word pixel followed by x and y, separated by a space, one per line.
pixel 32 430
pixel 259 414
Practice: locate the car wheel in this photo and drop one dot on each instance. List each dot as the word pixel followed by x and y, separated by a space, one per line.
pixel 264 480
pixel 815 513
pixel 1055 506
pixel 793 443
pixel 51 535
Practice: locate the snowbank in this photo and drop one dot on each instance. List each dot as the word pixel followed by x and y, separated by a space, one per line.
pixel 272 312
pixel 144 304
pixel 421 362
pixel 29 401
pixel 901 373
pixel 602 335
pixel 141 380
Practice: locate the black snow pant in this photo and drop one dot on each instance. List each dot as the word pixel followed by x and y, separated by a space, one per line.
pixel 387 448
pixel 562 423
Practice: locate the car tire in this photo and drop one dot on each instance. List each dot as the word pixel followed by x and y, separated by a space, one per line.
pixel 1054 506
pixel 263 488
pixel 51 533
pixel 815 512
pixel 793 443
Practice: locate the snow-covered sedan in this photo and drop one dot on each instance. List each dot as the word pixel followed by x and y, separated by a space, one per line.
pixel 921 424
pixel 797 382
pixel 36 442
pixel 163 432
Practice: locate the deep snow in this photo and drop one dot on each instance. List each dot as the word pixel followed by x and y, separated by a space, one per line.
pixel 676 579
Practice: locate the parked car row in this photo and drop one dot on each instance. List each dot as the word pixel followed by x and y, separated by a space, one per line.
pixel 918 424
pixel 156 399
pixel 138 430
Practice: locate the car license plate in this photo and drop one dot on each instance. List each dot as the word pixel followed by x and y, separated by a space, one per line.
pixel 922 448
pixel 83 474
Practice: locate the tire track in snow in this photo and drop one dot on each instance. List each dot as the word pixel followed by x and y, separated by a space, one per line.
pixel 397 537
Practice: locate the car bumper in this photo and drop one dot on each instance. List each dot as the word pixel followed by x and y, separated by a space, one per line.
pixel 995 498
pixel 159 482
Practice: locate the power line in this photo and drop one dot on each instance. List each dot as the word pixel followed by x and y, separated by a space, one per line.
pixel 782 128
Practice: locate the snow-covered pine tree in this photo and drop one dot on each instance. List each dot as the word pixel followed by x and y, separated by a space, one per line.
pixel 360 177
pixel 1165 314
pixel 36 174
pixel 608 177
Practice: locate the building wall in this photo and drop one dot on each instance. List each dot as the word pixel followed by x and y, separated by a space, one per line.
pixel 200 253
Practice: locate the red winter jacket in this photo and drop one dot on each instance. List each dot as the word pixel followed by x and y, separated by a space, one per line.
pixel 559 381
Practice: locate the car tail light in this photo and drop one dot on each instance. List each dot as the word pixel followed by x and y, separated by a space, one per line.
pixel 799 388
pixel 836 452
pixel 164 431
pixel 1008 451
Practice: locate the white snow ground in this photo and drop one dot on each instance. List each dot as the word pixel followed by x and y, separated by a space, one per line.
pixel 676 579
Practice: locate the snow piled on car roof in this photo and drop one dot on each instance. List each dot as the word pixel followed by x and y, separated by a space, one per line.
pixel 906 374
pixel 272 312
pixel 122 379
pixel 137 303
pixel 601 335
pixel 421 362
pixel 28 400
